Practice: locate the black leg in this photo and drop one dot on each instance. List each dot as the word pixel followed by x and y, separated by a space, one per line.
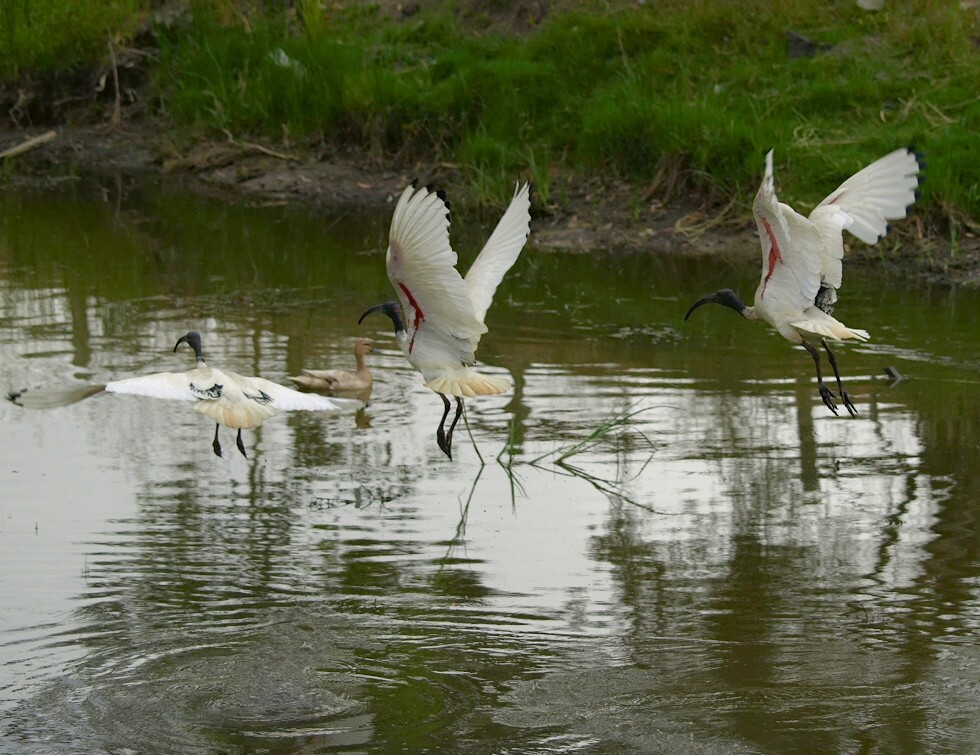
pixel 840 386
pixel 825 392
pixel 216 446
pixel 241 446
pixel 449 435
pixel 441 432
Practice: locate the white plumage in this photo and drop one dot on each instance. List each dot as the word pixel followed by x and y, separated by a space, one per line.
pixel 226 397
pixel 802 256
pixel 440 319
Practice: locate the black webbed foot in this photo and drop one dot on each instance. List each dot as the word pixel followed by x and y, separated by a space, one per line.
pixel 241 446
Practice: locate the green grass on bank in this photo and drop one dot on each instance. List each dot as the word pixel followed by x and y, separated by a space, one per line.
pixel 49 36
pixel 688 91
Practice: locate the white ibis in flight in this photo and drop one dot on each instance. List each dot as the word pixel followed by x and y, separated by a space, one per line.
pixel 229 399
pixel 801 256
pixel 340 381
pixel 440 318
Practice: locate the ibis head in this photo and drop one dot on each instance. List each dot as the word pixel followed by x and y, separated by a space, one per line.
pixel 726 297
pixel 192 339
pixel 392 310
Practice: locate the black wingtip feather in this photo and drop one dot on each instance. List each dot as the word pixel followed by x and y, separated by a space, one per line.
pixel 920 157
pixel 431 188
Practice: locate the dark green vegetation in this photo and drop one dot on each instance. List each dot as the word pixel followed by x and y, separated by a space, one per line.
pixel 684 94
pixel 60 35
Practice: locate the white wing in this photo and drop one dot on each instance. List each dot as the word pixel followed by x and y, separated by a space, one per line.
pixel 792 250
pixel 52 398
pixel 863 205
pixel 830 222
pixel 500 252
pixel 168 385
pixel 189 386
pixel 874 195
pixel 422 269
pixel 287 400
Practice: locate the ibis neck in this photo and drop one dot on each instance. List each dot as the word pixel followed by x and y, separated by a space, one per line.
pixel 401 336
pixel 193 339
pixel 394 312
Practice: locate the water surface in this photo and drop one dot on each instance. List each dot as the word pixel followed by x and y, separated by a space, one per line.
pixel 733 569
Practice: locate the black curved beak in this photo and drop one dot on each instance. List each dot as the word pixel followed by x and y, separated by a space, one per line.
pixel 709 299
pixel 378 308
pixel 726 297
pixel 393 312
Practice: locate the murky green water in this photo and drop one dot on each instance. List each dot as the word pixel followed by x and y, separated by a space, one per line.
pixel 735 570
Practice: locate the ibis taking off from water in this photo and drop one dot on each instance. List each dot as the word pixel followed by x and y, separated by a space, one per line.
pixel 340 381
pixel 229 399
pixel 440 318
pixel 801 257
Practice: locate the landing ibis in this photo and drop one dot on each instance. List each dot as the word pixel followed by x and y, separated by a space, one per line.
pixel 229 399
pixel 801 256
pixel 439 317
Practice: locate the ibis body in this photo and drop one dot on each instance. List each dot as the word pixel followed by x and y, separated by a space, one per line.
pixel 439 316
pixel 802 256
pixel 230 399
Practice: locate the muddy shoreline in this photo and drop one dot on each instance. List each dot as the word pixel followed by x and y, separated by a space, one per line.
pixel 591 214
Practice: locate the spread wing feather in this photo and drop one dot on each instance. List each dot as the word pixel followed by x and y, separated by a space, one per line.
pixel 422 269
pixel 874 195
pixel 181 386
pixel 500 252
pixel 286 399
pixel 168 385
pixel 792 249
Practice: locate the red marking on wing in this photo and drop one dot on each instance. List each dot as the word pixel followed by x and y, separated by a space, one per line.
pixel 774 255
pixel 419 317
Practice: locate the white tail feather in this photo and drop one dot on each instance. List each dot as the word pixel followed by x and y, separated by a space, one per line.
pixel 467 382
pixel 832 329
pixel 240 416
